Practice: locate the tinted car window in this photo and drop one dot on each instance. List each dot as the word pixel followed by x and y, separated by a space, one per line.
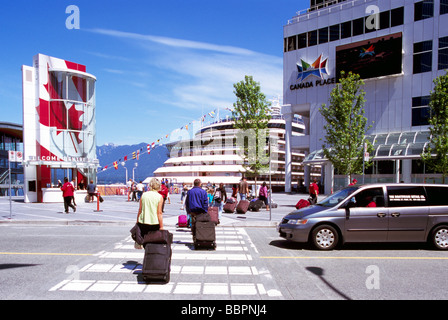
pixel 406 196
pixel 370 198
pixel 437 196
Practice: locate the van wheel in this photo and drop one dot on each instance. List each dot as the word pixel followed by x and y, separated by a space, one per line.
pixel 440 237
pixel 325 237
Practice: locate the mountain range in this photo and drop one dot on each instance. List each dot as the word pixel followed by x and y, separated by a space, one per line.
pixel 146 165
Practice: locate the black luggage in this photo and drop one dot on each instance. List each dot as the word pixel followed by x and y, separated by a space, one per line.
pixel 255 205
pixel 204 235
pixel 157 260
pixel 242 206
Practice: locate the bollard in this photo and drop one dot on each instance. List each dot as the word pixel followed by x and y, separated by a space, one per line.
pixel 98 203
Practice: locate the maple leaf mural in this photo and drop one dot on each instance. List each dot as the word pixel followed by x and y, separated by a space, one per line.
pixel 59 114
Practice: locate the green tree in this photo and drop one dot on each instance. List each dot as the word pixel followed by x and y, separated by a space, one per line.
pixel 251 114
pixel 435 154
pixel 346 126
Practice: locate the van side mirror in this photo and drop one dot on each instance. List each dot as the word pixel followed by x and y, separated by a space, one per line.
pixel 349 204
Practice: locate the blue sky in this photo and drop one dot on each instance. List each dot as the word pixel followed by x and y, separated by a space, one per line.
pixel 160 64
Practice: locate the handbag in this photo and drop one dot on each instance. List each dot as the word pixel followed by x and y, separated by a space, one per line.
pixel 136 234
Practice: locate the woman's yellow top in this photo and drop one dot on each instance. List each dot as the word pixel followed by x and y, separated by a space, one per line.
pixel 150 202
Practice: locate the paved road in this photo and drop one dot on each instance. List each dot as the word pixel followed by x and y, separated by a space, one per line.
pixel 46 254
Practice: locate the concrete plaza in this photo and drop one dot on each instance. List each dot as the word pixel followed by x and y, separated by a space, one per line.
pixel 117 210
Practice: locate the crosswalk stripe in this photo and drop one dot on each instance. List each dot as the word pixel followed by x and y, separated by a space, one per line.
pixel 233 247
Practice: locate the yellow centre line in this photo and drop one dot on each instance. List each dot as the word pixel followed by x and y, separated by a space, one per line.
pixel 361 258
pixel 45 254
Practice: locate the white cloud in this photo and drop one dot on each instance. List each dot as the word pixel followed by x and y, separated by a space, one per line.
pixel 197 75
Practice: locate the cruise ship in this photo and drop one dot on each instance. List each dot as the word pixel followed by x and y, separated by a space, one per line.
pixel 214 157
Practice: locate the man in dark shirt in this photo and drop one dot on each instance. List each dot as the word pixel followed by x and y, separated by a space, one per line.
pixel 196 201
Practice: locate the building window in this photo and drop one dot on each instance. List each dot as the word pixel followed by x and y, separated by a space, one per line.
pixel 443 53
pixel 334 32
pixel 423 10
pixel 397 17
pixel 323 35
pixel 422 56
pixel 346 29
pixel 443 6
pixel 312 38
pixel 301 41
pixel 358 26
pixel 384 20
pixel 420 111
pixel 292 43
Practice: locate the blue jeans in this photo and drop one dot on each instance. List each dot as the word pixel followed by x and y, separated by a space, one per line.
pixel 243 196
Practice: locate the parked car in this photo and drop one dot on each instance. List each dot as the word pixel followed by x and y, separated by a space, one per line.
pixel 373 213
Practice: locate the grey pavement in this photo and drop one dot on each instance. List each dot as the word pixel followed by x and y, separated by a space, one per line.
pixel 117 210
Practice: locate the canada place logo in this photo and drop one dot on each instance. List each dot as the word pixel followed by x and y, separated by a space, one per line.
pixel 367 52
pixel 318 68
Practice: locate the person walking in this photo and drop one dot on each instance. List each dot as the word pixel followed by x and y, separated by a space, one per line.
pixel 243 189
pixel 73 182
pixel 314 192
pixel 263 195
pixel 163 190
pixel 150 215
pixel 91 190
pixel 184 195
pixel 220 197
pixel 196 201
pixel 140 187
pixel 68 192
pixel 129 188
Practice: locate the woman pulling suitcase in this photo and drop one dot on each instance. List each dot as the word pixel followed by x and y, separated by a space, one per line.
pixel 156 241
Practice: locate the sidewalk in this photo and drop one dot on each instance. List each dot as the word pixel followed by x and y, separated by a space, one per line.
pixel 117 210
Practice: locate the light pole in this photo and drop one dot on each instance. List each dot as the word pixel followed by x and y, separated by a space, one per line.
pixel 123 164
pixel 133 170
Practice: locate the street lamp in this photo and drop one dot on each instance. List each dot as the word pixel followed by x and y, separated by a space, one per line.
pixel 123 164
pixel 133 169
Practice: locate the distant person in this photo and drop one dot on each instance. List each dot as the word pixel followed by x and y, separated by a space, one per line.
pixel 164 192
pixel 184 195
pixel 91 190
pixel 73 182
pixel 81 185
pixel 263 195
pixel 220 197
pixel 314 192
pixel 243 189
pixel 129 188
pixel 234 191
pixel 68 192
pixel 210 196
pixel 140 187
pixel 354 181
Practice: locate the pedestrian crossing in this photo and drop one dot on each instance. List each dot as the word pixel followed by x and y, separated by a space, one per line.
pixel 229 272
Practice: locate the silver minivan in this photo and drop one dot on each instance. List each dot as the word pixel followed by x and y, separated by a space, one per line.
pixel 373 213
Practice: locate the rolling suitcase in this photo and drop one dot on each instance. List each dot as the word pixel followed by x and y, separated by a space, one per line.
pixel 302 204
pixel 230 206
pixel 214 214
pixel 255 205
pixel 204 235
pixel 182 221
pixel 157 259
pixel 157 262
pixel 242 206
